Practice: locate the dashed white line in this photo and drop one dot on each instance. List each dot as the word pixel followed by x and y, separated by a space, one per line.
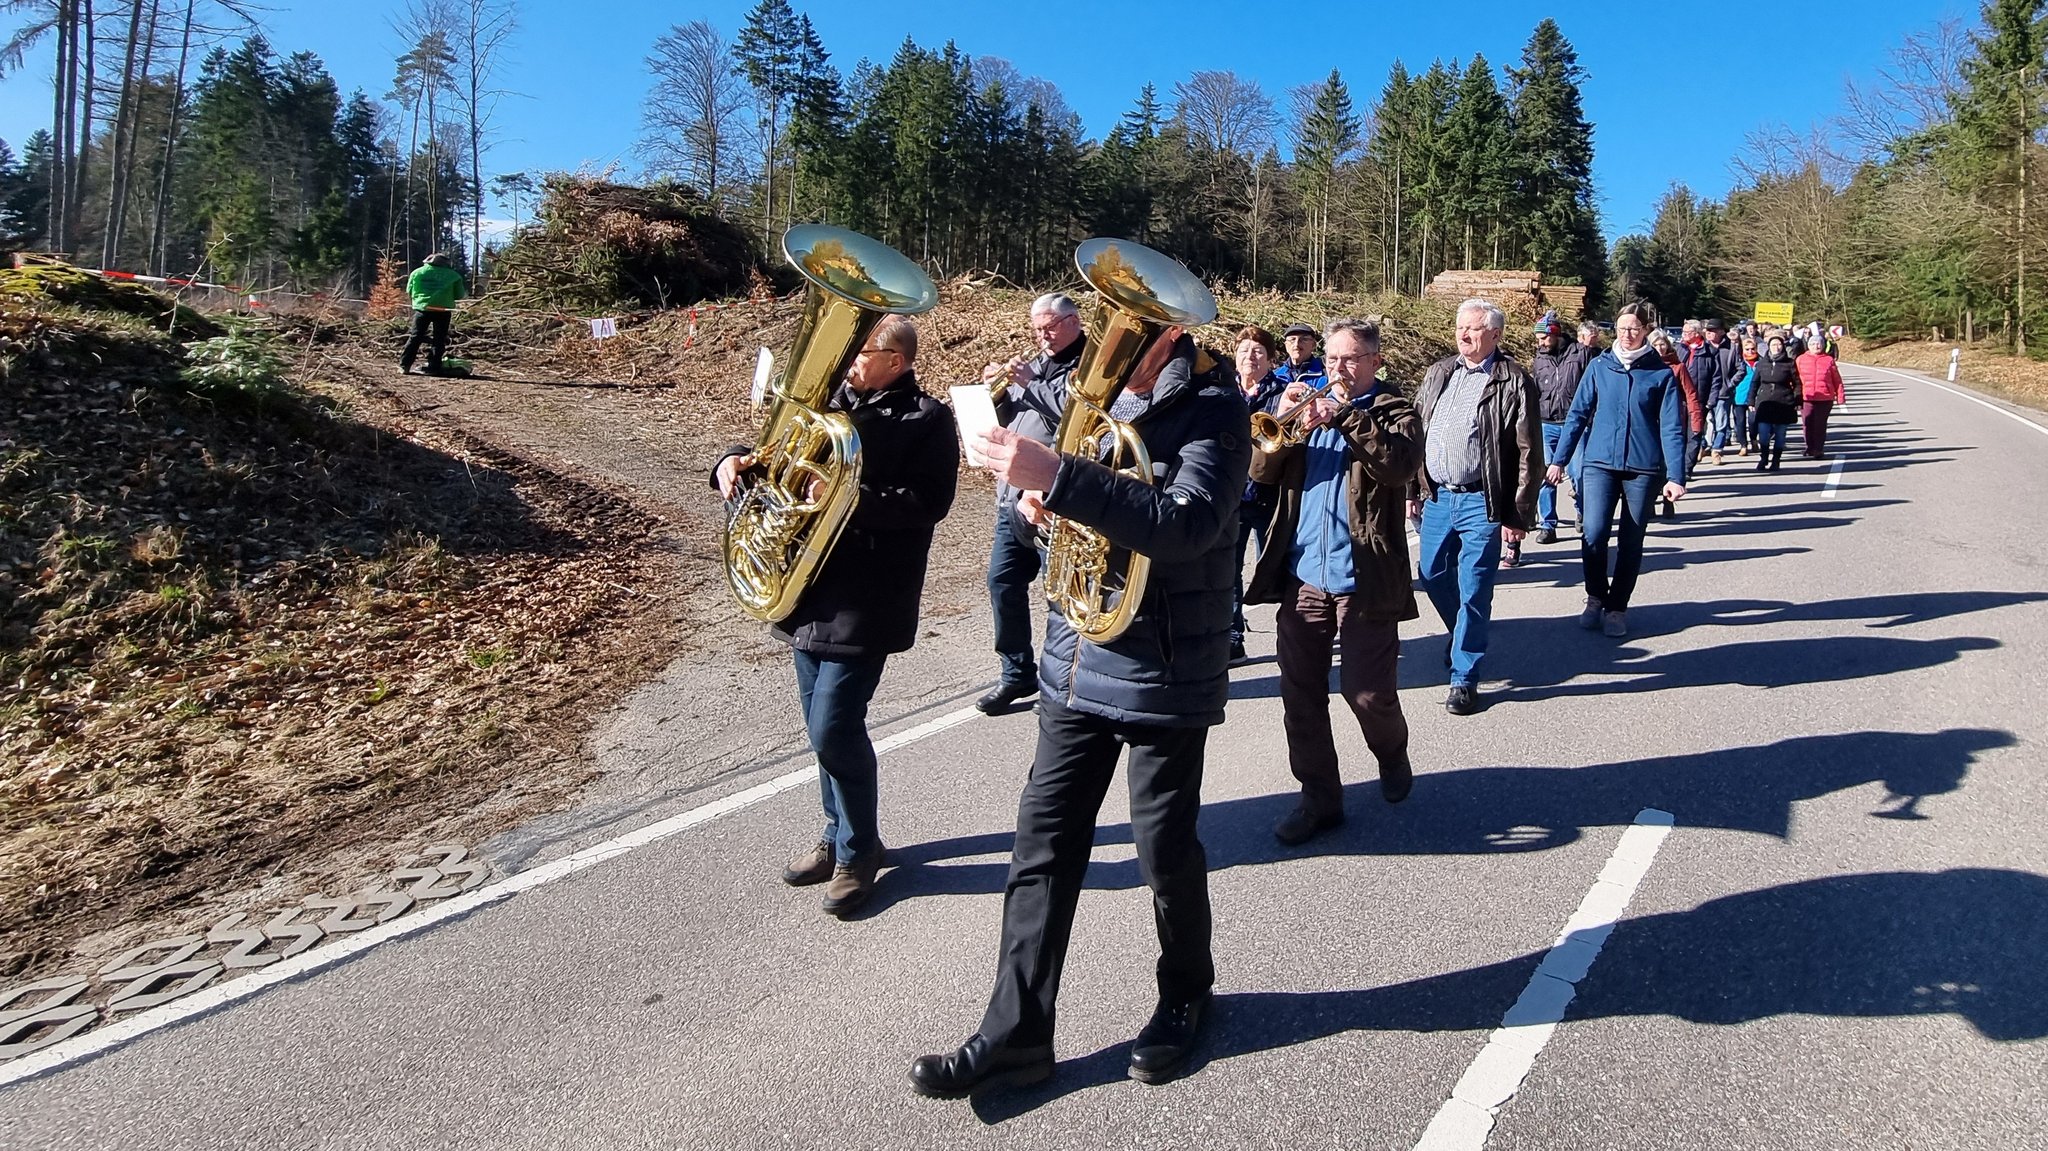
pixel 1834 484
pixel 1978 400
pixel 1466 1119
pixel 214 998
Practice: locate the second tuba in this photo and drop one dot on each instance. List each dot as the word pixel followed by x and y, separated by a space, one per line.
pixel 1144 297
pixel 797 497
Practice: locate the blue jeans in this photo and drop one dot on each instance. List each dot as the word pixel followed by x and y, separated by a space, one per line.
pixel 1546 496
pixel 1012 565
pixel 1633 492
pixel 1723 418
pixel 835 692
pixel 1743 436
pixel 1770 444
pixel 1460 553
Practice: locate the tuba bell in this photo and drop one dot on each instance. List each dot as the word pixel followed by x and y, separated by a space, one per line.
pixel 796 499
pixel 1144 297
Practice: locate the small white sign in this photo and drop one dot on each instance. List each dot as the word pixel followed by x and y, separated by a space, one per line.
pixel 974 410
pixel 764 370
pixel 604 329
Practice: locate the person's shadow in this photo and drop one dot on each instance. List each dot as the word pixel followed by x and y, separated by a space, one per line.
pixel 1491 810
pixel 1968 942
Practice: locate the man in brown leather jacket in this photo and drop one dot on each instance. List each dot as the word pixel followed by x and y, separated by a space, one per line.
pixel 1482 466
pixel 1336 561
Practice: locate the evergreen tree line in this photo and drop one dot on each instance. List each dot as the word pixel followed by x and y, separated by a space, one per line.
pixel 172 153
pixel 964 163
pixel 1918 212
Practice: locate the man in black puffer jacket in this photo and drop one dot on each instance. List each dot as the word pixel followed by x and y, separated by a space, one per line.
pixel 1156 689
pixel 861 606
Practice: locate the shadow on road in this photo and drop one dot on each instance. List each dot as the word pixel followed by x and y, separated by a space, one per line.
pixel 1492 810
pixel 1966 942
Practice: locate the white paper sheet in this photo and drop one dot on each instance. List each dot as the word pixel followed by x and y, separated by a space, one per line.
pixel 764 370
pixel 974 410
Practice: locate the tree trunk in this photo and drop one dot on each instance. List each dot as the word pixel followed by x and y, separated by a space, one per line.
pixel 158 242
pixel 60 127
pixel 75 211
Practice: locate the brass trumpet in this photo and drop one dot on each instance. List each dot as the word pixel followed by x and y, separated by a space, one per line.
pixel 1270 433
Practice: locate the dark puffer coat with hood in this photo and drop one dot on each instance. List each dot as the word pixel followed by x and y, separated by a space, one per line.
pixel 1171 668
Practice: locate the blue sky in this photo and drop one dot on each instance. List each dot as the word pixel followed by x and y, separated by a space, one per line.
pixel 1668 100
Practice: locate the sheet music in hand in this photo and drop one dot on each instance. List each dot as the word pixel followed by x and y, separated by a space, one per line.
pixel 974 410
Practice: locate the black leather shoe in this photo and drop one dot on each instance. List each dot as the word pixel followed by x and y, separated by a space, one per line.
pixel 1463 700
pixel 1305 823
pixel 1003 696
pixel 1237 655
pixel 978 1064
pixel 1547 536
pixel 1397 780
pixel 1162 1047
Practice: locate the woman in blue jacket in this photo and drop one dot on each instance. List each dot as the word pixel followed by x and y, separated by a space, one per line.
pixel 1629 416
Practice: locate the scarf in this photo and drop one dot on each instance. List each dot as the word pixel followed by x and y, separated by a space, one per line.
pixel 1628 359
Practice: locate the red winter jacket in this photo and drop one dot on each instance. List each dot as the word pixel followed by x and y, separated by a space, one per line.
pixel 1819 378
pixel 1695 411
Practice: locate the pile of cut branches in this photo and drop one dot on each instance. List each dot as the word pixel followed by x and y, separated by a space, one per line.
pixel 596 245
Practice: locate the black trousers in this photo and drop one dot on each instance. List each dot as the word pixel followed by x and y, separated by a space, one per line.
pixel 1012 564
pixel 1076 759
pixel 426 322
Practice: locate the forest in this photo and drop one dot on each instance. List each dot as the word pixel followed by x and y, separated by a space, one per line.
pixel 183 142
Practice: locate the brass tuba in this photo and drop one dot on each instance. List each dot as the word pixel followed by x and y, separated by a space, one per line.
pixel 1143 297
pixel 777 530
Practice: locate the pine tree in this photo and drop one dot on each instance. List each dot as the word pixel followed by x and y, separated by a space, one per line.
pixel 1993 148
pixel 769 49
pixel 1553 153
pixel 1481 171
pixel 1325 135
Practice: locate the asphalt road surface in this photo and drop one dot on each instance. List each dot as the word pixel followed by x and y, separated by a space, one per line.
pixel 1835 686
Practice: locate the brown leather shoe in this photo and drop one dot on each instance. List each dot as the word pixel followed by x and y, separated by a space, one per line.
pixel 851 884
pixel 813 866
pixel 1305 823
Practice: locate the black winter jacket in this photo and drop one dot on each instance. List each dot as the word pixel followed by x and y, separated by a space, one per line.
pixel 1171 667
pixel 1557 378
pixel 864 598
pixel 1775 395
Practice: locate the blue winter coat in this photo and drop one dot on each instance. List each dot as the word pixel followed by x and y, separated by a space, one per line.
pixel 1632 419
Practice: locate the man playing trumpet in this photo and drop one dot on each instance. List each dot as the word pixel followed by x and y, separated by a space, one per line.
pixel 1029 396
pixel 1336 561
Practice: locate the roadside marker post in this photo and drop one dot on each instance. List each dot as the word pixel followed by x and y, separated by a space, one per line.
pixel 1955 359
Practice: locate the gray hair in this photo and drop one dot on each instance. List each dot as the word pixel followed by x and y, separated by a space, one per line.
pixel 1495 318
pixel 899 335
pixel 1054 304
pixel 1690 328
pixel 1588 328
pixel 1365 332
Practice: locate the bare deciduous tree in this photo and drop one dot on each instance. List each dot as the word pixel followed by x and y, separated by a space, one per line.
pixel 482 30
pixel 692 122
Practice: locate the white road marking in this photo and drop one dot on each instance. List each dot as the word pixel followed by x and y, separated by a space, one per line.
pixel 1466 1119
pixel 1834 484
pixel 1979 401
pixel 212 999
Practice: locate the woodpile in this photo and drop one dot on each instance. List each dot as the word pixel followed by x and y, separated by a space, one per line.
pixel 595 244
pixel 1519 291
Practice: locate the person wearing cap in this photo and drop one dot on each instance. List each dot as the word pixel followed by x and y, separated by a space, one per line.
pixel 434 286
pixel 1303 366
pixel 1557 365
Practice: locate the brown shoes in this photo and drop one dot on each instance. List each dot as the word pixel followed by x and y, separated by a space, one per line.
pixel 813 866
pixel 851 884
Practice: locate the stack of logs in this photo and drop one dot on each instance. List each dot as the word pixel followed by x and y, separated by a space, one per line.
pixel 1517 290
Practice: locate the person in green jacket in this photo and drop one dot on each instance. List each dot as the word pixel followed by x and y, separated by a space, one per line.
pixel 435 286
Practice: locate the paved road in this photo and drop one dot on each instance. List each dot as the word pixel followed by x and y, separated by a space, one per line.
pixel 1836 691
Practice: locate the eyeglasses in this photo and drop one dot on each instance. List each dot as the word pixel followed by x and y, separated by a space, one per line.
pixel 1357 359
pixel 877 351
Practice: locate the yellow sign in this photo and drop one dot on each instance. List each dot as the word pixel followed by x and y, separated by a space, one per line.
pixel 1774 313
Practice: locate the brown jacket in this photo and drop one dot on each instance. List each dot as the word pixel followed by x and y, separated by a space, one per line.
pixel 1510 438
pixel 1386 448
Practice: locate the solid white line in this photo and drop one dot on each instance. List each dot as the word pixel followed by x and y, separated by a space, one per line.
pixel 212 999
pixel 1978 400
pixel 1834 483
pixel 1466 1119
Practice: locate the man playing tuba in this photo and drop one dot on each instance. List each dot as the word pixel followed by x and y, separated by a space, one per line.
pixel 1155 688
pixel 862 605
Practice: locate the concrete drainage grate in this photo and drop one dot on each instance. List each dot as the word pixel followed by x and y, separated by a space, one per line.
pixel 38 1015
